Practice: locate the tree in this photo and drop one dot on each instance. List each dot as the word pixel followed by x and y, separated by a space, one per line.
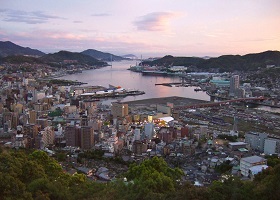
pixel 232 188
pixel 268 184
pixel 50 165
pixel 152 177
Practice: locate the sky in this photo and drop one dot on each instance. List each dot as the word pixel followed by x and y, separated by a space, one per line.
pixel 151 28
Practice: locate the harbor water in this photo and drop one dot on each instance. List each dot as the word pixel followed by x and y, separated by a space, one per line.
pixel 118 75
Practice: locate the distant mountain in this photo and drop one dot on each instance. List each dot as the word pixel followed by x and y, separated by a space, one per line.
pixel 102 56
pixel 179 61
pixel 130 56
pixel 66 56
pixel 249 62
pixel 10 49
pixel 223 63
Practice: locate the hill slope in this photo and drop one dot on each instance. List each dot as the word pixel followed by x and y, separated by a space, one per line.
pixel 102 56
pixel 224 63
pixel 61 56
pixel 19 59
pixel 10 49
pixel 170 60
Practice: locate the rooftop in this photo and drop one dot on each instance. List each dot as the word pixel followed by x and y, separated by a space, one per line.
pixel 237 143
pixel 253 159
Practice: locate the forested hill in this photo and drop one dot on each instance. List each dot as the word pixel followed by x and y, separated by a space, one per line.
pixel 249 62
pixel 8 48
pixel 19 59
pixel 29 174
pixel 102 56
pixel 61 56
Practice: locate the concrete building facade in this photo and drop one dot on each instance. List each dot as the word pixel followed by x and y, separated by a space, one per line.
pixel 248 162
pixel 256 140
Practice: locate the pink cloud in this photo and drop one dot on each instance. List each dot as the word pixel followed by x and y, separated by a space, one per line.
pixel 156 21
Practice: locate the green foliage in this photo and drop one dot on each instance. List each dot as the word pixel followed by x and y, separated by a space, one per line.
pixel 106 123
pixel 228 137
pixel 92 154
pixel 18 59
pixel 61 156
pixel 272 160
pixel 268 184
pixel 50 165
pixel 152 176
pixel 224 167
pixel 57 112
pixel 232 188
pixel 188 191
pixel 66 55
pixel 64 82
pixel 225 63
pixel 35 175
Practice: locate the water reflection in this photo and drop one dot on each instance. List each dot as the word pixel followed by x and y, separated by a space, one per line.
pixel 118 75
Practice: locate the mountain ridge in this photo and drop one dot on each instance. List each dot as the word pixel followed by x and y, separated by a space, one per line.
pixel 223 63
pixel 247 62
pixel 8 48
pixel 80 58
pixel 102 55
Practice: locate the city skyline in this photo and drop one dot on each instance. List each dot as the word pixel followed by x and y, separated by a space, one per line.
pixel 148 28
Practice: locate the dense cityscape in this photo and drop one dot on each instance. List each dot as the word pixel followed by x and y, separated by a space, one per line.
pixel 208 141
pixel 139 100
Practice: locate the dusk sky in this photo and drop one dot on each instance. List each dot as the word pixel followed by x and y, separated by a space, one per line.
pixel 146 27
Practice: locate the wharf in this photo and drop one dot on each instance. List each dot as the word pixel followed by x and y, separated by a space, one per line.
pixel 97 96
pixel 168 84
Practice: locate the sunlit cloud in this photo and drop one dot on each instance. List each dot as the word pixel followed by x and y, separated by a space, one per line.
pixel 35 17
pixel 156 21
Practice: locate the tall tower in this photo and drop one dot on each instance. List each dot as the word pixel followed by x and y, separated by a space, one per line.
pixel 234 84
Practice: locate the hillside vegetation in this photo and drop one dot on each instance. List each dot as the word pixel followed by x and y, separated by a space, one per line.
pixel 229 63
pixel 34 175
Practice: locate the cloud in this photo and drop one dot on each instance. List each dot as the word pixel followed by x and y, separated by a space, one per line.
pixel 100 15
pixel 35 17
pixel 156 21
pixel 77 22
